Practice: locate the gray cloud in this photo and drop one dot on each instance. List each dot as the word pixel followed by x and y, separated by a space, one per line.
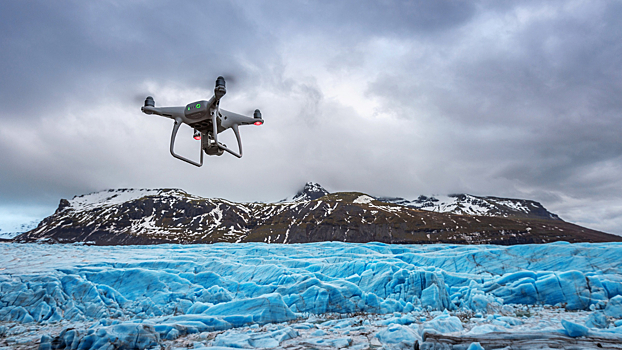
pixel 390 98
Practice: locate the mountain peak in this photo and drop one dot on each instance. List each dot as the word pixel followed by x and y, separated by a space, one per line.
pixel 310 191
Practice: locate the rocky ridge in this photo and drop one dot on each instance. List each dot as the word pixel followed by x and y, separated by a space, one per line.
pixel 466 204
pixel 148 216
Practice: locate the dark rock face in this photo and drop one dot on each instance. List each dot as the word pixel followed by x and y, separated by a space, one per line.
pixel 173 216
pixel 62 205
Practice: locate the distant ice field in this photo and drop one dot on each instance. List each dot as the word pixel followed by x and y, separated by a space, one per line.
pixel 324 295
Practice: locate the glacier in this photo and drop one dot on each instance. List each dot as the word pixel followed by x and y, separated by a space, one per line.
pixel 317 295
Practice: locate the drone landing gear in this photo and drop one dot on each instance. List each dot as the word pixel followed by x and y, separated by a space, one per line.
pixel 178 123
pixel 209 143
pixel 236 131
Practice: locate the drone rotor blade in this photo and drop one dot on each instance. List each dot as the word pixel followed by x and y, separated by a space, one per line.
pixel 230 78
pixel 140 97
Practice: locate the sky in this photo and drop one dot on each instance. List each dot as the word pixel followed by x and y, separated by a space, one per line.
pixel 519 99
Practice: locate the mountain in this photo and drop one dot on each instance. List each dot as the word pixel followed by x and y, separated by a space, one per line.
pixel 151 216
pixel 466 204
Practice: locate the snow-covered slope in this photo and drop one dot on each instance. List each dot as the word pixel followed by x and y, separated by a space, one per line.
pixel 119 196
pixel 465 204
pixel 326 295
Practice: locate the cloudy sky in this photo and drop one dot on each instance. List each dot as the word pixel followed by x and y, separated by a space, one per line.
pixel 391 98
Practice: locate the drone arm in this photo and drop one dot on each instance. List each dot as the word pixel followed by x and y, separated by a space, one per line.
pixel 168 112
pixel 233 121
pixel 230 118
pixel 178 122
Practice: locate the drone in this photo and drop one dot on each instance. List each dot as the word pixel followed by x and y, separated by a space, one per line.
pixel 207 120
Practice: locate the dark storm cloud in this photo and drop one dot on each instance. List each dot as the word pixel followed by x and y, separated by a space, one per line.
pixel 352 19
pixel 387 97
pixel 552 93
pixel 51 48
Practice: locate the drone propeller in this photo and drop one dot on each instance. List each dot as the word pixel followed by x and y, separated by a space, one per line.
pixel 231 79
pixel 138 98
pixel 149 102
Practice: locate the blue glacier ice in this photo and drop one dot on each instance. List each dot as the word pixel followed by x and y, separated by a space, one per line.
pixel 129 336
pixel 400 336
pixel 270 339
pixel 475 346
pixel 443 323
pixel 597 320
pixel 614 307
pixel 574 329
pixel 168 292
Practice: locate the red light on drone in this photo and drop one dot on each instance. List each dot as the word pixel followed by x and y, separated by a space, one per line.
pixel 258 123
pixel 197 137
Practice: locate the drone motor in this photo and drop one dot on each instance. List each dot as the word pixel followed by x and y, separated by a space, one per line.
pixel 257 115
pixel 149 102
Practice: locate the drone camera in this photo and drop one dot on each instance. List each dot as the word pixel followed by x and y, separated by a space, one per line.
pixel 149 102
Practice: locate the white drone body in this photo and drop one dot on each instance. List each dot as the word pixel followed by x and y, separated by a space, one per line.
pixel 207 120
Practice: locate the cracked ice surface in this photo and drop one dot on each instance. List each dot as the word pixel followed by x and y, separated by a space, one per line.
pixel 317 295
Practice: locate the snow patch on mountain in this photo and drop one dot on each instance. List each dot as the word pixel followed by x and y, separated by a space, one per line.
pixel 364 199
